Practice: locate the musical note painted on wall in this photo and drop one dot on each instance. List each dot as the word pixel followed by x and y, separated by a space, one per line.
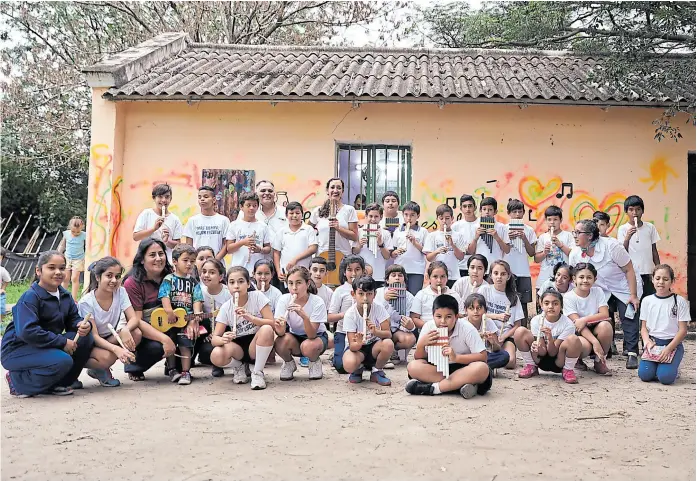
pixel 570 194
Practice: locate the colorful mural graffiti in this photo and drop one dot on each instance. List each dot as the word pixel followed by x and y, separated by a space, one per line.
pixel 228 185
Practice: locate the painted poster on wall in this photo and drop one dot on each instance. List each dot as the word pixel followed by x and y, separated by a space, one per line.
pixel 228 185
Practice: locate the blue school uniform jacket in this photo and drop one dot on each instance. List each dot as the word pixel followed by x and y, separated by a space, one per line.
pixel 39 319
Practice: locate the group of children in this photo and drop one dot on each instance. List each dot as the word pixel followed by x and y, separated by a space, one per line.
pixel 273 298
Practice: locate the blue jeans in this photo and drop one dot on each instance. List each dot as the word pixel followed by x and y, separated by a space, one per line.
pixel 497 359
pixel 35 370
pixel 630 327
pixel 339 347
pixel 664 372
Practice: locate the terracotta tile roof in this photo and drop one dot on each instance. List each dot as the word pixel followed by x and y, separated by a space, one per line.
pixel 324 73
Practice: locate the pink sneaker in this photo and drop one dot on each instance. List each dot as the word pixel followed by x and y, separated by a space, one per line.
pixel 529 370
pixel 569 376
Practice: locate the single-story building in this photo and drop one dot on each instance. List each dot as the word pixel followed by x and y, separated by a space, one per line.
pixel 431 124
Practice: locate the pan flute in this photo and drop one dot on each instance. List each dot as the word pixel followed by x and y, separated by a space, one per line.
pixel 391 224
pixel 488 223
pixel 517 226
pixel 371 233
pixel 435 353
pixel 399 304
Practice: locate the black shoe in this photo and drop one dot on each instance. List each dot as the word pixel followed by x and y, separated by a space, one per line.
pixel 218 372
pixel 632 361
pixel 418 387
pixel 613 351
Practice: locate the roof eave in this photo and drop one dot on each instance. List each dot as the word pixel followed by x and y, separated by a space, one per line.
pixel 388 99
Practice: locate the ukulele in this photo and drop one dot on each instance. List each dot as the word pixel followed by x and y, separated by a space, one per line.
pixel 332 257
pixel 158 318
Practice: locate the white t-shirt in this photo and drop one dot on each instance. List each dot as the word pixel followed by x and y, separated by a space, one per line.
pixel 640 252
pixel 423 302
pixel 561 329
pixel 340 302
pixel 662 315
pixel 346 215
pixel 413 260
pixel 378 262
pixel 518 259
pixel 435 240
pixel 207 230
pixel 490 325
pixel 497 302
pixel 220 298
pixel 4 275
pixel 353 321
pixel 555 255
pixel 314 308
pixel 584 306
pixel 395 317
pixel 255 303
pixel 275 221
pixel 608 259
pixel 273 295
pixel 464 339
pixel 325 293
pixel 291 244
pixel 241 229
pixel 464 288
pixel 495 253
pixel 146 220
pixel 88 305
pixel 468 230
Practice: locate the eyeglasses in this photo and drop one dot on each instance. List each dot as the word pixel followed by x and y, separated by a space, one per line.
pixel 576 233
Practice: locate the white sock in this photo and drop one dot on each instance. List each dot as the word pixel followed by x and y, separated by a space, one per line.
pixel 527 358
pixel 570 363
pixel 436 388
pixel 234 363
pixel 262 355
pixel 404 354
pixel 374 369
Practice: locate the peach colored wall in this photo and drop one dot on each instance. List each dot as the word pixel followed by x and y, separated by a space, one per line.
pixel 606 154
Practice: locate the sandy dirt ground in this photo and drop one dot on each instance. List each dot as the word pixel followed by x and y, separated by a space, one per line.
pixel 602 428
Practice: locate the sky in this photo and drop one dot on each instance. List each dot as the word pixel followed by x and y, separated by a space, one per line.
pixel 356 35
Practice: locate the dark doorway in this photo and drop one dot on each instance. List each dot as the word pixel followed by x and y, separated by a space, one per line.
pixel 691 232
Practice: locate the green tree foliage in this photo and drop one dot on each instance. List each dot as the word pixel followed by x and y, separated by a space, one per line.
pixel 645 44
pixel 46 102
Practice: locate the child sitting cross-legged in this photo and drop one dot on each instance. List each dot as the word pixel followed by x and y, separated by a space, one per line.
pixel 466 353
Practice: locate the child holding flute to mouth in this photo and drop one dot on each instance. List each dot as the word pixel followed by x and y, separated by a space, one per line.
pixel 496 356
pixel 503 306
pixel 158 222
pixel 408 241
pixel 303 331
pixel 422 305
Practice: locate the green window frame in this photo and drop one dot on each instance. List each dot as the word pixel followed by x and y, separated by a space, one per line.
pixel 374 169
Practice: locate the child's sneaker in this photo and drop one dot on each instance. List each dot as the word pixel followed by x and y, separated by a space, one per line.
pixel 569 376
pixel 185 379
pixel 380 378
pixel 418 387
pixel 258 381
pixel 13 392
pixel 174 375
pixel 217 372
pixel 77 384
pixel 356 376
pixel 304 361
pixel 468 391
pixel 580 365
pixel 600 367
pixel 104 377
pixel 239 376
pixel 316 369
pixel 60 391
pixel 287 370
pixel 389 365
pixel 529 370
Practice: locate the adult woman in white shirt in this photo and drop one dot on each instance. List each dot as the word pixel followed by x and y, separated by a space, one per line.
pixel 616 277
pixel 345 224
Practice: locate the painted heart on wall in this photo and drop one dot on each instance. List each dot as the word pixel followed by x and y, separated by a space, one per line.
pixel 584 204
pixel 533 193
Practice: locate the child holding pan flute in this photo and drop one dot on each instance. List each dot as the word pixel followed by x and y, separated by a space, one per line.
pixel 496 356
pixel 393 297
pixel 466 354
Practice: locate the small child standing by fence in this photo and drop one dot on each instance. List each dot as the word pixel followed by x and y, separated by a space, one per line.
pixel 73 246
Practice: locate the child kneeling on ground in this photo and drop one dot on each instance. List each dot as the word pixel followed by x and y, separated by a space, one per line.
pixel 466 354
pixel 555 346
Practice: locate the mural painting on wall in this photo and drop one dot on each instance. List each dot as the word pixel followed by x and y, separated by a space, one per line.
pixel 228 185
